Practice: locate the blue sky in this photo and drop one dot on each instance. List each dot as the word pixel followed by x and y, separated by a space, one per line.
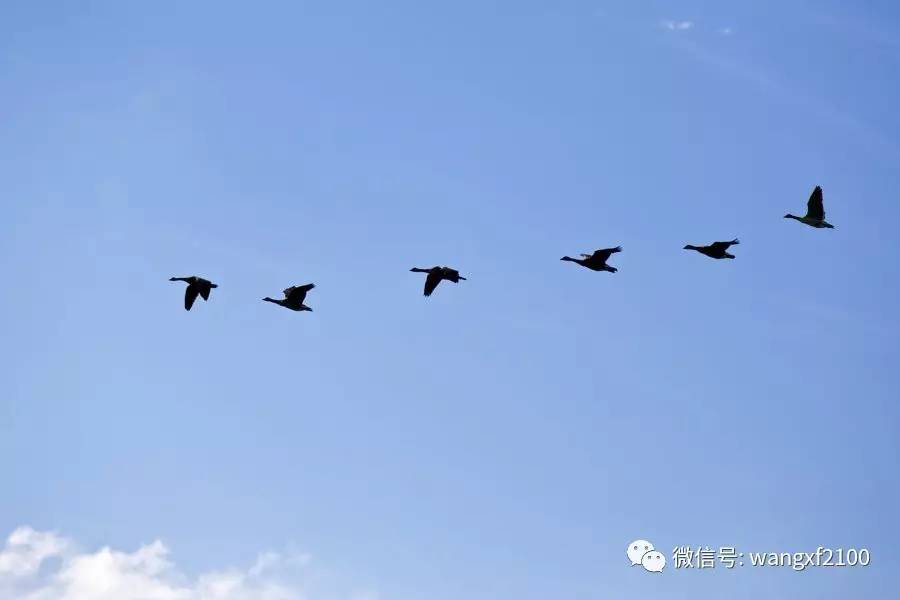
pixel 509 436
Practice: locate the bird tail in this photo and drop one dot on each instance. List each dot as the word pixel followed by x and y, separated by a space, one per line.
pixel 735 241
pixel 611 269
pixel 461 278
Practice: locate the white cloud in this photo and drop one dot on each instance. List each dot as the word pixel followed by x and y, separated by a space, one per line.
pixel 25 550
pixel 38 565
pixel 678 25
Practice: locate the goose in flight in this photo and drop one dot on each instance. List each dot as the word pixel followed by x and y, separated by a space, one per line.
pixel 436 275
pixel 815 212
pixel 597 260
pixel 196 286
pixel 714 250
pixel 293 297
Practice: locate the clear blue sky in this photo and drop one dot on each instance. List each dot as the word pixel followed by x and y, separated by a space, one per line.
pixel 507 437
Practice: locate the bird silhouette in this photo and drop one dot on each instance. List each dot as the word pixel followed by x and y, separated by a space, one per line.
pixel 597 260
pixel 815 212
pixel 714 250
pixel 196 286
pixel 436 275
pixel 293 297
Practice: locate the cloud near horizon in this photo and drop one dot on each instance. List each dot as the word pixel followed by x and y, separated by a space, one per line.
pixel 37 565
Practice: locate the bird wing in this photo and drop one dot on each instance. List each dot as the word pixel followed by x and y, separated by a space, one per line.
pixel 297 293
pixel 604 253
pixel 717 246
pixel 204 288
pixel 432 281
pixel 815 208
pixel 190 294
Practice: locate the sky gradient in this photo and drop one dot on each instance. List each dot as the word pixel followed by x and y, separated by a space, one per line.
pixel 510 435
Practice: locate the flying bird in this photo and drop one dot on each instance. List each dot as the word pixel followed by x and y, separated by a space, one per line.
pixel 597 260
pixel 714 250
pixel 815 212
pixel 436 275
pixel 294 297
pixel 196 286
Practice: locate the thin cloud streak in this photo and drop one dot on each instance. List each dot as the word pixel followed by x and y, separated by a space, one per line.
pixel 678 25
pixel 765 82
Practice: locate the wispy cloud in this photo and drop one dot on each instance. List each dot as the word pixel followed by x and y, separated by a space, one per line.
pixel 866 30
pixel 767 83
pixel 37 565
pixel 678 25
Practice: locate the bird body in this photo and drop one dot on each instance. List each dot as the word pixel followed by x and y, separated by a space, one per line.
pixel 715 250
pixel 815 212
pixel 436 275
pixel 197 286
pixel 597 260
pixel 293 297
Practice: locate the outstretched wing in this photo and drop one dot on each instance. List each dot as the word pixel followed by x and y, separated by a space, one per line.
pixel 204 287
pixel 432 281
pixel 190 294
pixel 717 246
pixel 297 293
pixel 723 245
pixel 604 253
pixel 815 208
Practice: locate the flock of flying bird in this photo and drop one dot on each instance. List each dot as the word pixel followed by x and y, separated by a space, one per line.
pixel 295 295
